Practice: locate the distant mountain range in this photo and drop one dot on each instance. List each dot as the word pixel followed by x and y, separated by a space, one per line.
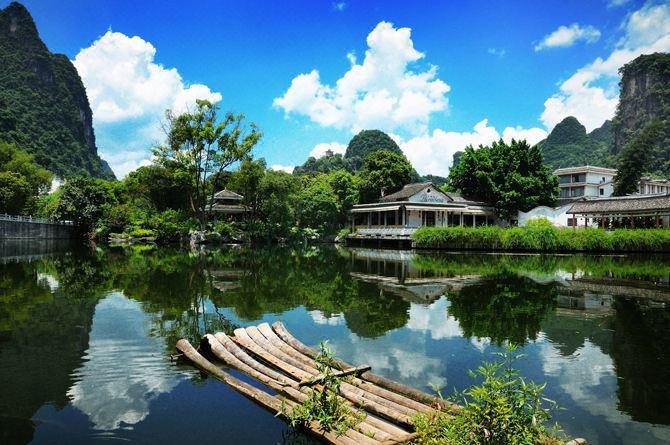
pixel 43 104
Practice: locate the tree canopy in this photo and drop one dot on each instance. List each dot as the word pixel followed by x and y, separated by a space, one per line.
pixel 200 147
pixel 383 171
pixel 511 177
pixel 21 180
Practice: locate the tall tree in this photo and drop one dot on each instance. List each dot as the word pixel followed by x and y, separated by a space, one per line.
pixel 200 147
pixel 635 157
pixel 383 172
pixel 511 177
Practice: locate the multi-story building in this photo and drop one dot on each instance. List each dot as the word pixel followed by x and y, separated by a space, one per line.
pixel 585 181
pixel 650 186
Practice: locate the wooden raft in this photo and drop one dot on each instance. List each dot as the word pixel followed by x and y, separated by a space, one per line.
pixel 271 355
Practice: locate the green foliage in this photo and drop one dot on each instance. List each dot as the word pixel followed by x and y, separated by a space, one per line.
pixel 639 154
pixel 82 200
pixel 324 405
pixel 569 145
pixel 540 235
pixel 43 104
pixel 504 409
pixel 367 142
pixel 325 164
pixel 511 177
pixel 21 180
pixel 200 147
pixel 383 170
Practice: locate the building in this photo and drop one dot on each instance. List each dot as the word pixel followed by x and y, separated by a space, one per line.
pixel 588 181
pixel 398 215
pixel 623 211
pixel 558 216
pixel 650 186
pixel 227 203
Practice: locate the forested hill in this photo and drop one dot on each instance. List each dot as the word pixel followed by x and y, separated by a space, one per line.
pixel 642 121
pixel 569 145
pixel 43 105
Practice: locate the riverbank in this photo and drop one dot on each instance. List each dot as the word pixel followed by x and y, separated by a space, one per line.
pixel 542 237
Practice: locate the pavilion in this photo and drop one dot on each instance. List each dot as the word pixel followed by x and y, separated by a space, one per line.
pixel 227 203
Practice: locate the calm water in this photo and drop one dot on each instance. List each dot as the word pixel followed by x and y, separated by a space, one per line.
pixel 85 334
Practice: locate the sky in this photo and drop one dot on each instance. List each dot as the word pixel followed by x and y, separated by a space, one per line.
pixel 436 76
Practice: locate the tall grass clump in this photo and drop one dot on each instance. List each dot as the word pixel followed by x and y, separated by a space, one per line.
pixel 541 236
pixel 503 409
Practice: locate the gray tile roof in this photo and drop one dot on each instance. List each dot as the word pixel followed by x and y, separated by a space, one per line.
pixel 407 191
pixel 622 204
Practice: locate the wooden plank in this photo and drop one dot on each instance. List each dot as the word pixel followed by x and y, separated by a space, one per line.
pixel 243 339
pixel 320 378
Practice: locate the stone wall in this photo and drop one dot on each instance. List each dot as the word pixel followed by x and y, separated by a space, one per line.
pixel 34 230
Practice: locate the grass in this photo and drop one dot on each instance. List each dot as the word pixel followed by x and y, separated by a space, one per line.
pixel 541 236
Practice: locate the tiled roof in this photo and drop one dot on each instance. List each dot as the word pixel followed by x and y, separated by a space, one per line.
pixel 622 204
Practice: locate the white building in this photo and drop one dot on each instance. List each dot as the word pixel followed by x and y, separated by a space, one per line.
pixel 398 215
pixel 648 186
pixel 587 180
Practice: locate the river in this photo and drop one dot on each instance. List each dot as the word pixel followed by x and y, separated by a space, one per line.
pixel 86 334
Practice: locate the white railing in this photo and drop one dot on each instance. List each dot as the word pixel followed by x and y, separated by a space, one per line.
pixel 30 219
pixel 386 231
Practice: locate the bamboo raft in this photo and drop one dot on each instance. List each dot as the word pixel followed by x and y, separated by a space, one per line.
pixel 271 355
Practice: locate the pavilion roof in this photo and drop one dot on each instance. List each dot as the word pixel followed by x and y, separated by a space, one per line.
pixel 622 204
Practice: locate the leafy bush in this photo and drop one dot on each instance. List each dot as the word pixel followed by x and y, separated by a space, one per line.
pixel 142 233
pixel 342 234
pixel 504 409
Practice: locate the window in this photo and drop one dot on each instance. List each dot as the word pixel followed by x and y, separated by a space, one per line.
pixel 602 192
pixel 572 222
pixel 603 180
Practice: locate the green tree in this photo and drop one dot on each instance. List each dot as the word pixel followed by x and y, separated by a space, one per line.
pixel 200 147
pixel 383 171
pixel 83 201
pixel 21 180
pixel 346 188
pixel 367 142
pixel 511 177
pixel 276 211
pixel 325 164
pixel 247 181
pixel 317 206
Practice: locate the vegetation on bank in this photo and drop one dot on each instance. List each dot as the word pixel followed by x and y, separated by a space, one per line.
pixel 504 409
pixel 540 235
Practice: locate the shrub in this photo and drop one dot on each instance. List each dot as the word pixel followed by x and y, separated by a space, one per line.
pixel 342 234
pixel 142 233
pixel 504 409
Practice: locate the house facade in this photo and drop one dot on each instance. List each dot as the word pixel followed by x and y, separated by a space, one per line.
pixel 400 214
pixel 584 181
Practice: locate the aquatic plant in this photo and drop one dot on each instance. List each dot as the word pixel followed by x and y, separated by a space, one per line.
pixel 324 404
pixel 504 409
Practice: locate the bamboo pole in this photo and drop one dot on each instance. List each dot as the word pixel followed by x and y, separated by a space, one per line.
pixel 396 387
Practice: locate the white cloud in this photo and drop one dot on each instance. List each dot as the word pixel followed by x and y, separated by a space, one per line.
pixel 500 53
pixel 124 162
pixel 433 153
pixel 381 92
pixel 283 168
pixel 566 36
pixel 339 6
pixel 591 93
pixel 617 3
pixel 129 92
pixel 321 149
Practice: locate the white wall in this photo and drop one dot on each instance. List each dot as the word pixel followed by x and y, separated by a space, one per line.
pixel 557 216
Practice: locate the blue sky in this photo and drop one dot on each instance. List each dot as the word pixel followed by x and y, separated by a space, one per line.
pixel 437 76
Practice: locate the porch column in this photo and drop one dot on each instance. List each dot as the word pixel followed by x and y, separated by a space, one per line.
pixel 404 218
pixel 385 215
pixel 461 220
pixel 474 220
pixel 369 218
pixel 657 221
pixel 632 222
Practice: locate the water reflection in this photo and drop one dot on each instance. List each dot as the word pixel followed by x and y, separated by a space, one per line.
pixel 84 334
